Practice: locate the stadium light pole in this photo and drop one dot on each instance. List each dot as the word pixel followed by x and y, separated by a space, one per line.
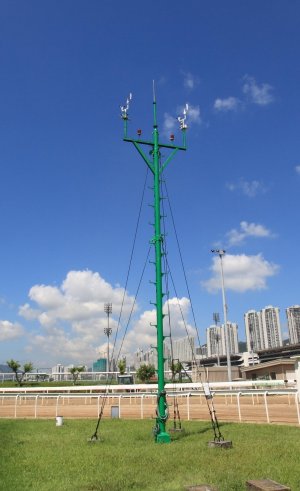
pixel 151 153
pixel 108 331
pixel 221 253
pixel 216 318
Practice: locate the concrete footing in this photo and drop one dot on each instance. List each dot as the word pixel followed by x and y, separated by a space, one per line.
pixel 200 487
pixel 221 444
pixel 265 485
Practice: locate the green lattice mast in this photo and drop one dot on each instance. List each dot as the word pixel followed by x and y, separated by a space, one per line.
pixel 157 167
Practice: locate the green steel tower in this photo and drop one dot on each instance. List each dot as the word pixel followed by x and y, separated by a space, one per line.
pixel 157 167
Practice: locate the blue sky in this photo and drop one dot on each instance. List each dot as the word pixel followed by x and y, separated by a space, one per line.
pixel 71 188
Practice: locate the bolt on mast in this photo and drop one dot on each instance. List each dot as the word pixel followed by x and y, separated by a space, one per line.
pixel 157 167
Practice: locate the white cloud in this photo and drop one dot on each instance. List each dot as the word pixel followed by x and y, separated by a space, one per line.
pixel 228 104
pixel 190 81
pixel 257 94
pixel 10 330
pixel 236 237
pixel 71 320
pixel 241 273
pixel 297 169
pixel 143 335
pixel 72 316
pixel 193 115
pixel 169 123
pixel 248 188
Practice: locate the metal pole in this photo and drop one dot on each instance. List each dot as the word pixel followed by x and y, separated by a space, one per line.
pixel 108 331
pixel 157 167
pixel 221 253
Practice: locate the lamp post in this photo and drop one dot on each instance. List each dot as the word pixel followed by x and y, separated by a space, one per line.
pixel 221 253
pixel 216 318
pixel 108 331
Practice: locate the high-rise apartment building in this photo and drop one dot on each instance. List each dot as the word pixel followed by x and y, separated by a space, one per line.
pixel 184 349
pixel 216 339
pixel 271 327
pixel 263 329
pixel 293 319
pixel 254 332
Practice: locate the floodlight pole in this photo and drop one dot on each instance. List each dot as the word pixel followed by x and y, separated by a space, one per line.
pixel 157 167
pixel 221 253
pixel 107 332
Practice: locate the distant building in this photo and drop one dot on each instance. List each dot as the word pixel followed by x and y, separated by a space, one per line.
pixel 233 337
pixel 58 371
pixel 149 357
pixel 263 329
pixel 293 319
pixel 216 339
pixel 184 349
pixel 100 365
pixel 271 327
pixel 254 332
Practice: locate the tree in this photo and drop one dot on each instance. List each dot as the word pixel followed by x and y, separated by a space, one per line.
pixel 20 374
pixel 176 367
pixel 122 366
pixel 145 372
pixel 75 371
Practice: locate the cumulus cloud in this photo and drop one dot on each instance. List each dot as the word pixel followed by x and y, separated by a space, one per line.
pixel 10 330
pixel 248 188
pixel 241 273
pixel 237 237
pixel 190 81
pixel 71 319
pixel 194 115
pixel 143 335
pixel 228 104
pixel 297 169
pixel 169 123
pixel 72 316
pixel 257 94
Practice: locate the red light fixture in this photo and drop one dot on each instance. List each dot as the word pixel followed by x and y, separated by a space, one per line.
pixel 172 137
pixel 139 132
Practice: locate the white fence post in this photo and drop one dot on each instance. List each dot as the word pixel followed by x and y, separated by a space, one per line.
pixel 266 406
pixel 188 405
pixel 238 404
pixel 57 400
pixel 142 406
pixel 35 406
pixel 297 405
pixel 17 396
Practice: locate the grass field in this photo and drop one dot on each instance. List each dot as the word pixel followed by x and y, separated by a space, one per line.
pixel 37 455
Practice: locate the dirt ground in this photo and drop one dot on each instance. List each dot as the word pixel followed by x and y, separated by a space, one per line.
pixel 251 408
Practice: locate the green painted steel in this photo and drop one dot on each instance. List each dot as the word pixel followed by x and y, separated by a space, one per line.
pixel 156 167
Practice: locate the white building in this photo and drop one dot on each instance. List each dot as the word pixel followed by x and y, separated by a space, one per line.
pixel 293 319
pixel 216 339
pixel 271 327
pixel 254 332
pixel 183 349
pixel 263 329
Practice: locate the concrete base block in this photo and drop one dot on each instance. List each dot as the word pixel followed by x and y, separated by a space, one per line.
pixel 176 430
pixel 200 487
pixel 265 485
pixel 221 444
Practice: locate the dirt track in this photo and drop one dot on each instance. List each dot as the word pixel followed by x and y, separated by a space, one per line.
pixel 279 409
